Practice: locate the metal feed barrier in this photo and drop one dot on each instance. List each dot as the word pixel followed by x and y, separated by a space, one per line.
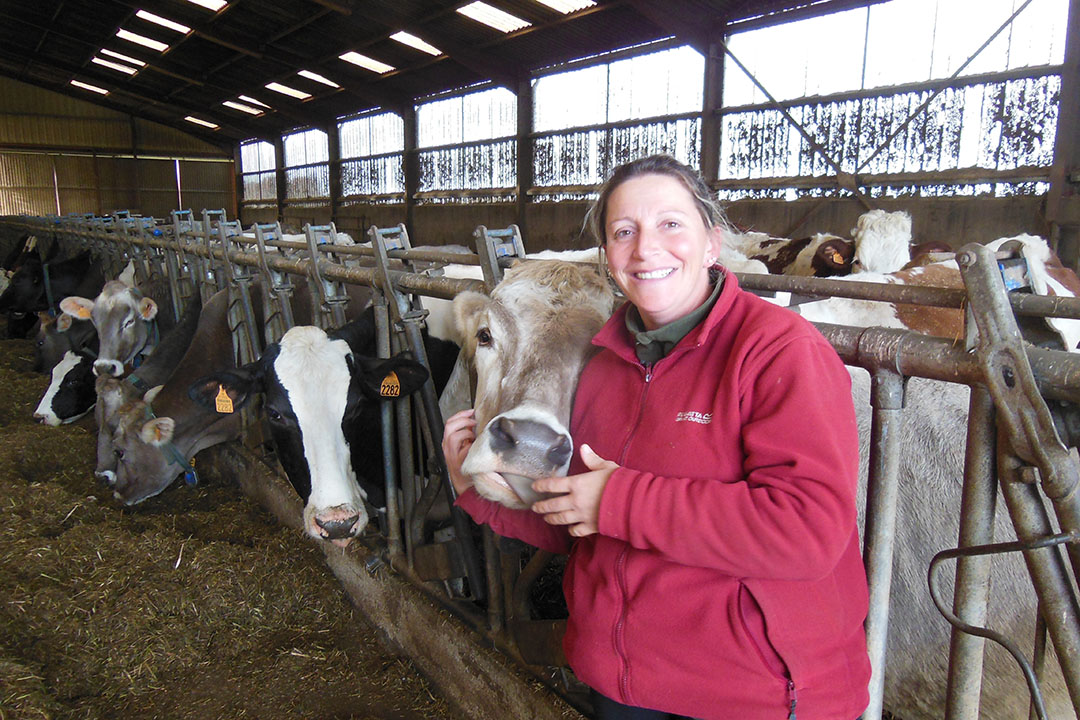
pixel 488 584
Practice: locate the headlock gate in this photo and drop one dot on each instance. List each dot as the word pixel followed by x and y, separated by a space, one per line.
pixel 1022 429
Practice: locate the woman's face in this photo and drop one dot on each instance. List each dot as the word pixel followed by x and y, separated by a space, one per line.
pixel 658 247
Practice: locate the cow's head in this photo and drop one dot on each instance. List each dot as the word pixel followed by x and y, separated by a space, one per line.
pixel 528 343
pixel 70 395
pixel 59 335
pixel 140 443
pixel 882 242
pixel 25 292
pixel 320 397
pixel 112 394
pixel 122 317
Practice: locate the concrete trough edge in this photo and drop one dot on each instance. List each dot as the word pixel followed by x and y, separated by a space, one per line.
pixel 467 670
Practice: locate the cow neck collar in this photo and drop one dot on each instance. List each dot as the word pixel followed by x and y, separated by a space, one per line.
pixel 173 454
pixel 152 339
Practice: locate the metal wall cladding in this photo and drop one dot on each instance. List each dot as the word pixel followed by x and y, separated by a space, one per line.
pixel 34 117
pixel 26 184
pixel 207 185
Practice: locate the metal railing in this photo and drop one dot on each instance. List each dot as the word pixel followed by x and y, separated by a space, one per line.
pixel 1011 431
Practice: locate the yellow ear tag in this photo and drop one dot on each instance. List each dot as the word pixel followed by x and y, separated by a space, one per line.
pixel 83 313
pixel 391 386
pixel 223 402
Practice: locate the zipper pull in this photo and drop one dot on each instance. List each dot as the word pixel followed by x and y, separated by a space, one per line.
pixel 793 698
pixel 648 373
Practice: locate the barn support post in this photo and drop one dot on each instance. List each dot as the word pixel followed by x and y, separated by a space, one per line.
pixel 977 507
pixel 411 161
pixel 1063 200
pixel 524 150
pixel 882 490
pixel 279 175
pixel 237 183
pixel 333 168
pixel 712 102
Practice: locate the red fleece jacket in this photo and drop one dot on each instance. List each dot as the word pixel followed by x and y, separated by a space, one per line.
pixel 726 580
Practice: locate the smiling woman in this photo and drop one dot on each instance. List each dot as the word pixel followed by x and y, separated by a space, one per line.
pixel 714 564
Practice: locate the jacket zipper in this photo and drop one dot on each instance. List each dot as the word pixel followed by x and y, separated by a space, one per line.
pixel 792 699
pixel 620 562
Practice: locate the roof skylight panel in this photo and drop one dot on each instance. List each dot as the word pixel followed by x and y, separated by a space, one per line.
pixel 414 42
pixel 114 65
pixel 88 86
pixel 141 40
pixel 121 56
pixel 286 90
pixel 162 21
pixel 493 17
pixel 214 5
pixel 204 123
pixel 317 78
pixel 242 107
pixel 253 101
pixel 567 6
pixel 367 63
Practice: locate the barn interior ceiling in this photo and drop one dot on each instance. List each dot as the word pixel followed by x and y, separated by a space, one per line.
pixel 228 70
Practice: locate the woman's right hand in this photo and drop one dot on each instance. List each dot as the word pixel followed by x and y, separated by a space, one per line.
pixel 458 436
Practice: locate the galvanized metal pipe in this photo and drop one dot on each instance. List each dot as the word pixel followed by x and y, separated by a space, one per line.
pixel 882 490
pixel 972 588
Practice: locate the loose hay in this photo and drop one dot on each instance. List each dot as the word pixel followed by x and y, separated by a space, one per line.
pixel 195 604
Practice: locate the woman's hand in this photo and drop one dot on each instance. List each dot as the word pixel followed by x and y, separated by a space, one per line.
pixel 578 503
pixel 458 436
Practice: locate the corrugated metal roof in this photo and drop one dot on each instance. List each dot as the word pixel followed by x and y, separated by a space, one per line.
pixel 250 43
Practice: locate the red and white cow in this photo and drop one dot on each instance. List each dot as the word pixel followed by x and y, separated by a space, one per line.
pixel 514 334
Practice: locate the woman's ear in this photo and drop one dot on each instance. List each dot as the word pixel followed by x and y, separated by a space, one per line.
pixel 716 241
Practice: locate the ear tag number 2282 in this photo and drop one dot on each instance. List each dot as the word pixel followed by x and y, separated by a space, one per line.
pixel 391 386
pixel 223 403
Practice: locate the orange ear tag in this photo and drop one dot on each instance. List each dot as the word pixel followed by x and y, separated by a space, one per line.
pixel 223 402
pixel 391 386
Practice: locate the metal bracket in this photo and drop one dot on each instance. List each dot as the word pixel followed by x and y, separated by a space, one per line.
pixel 494 245
pixel 331 293
pixel 281 287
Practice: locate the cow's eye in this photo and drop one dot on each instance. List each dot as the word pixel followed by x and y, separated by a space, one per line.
pixel 119 453
pixel 483 337
pixel 274 415
pixel 128 323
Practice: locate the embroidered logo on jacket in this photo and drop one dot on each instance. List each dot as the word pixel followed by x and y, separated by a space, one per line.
pixel 695 417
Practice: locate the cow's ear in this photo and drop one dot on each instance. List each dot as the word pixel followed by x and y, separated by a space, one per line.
pixel 63 322
pixel 152 393
pixel 399 376
pixel 228 391
pixel 467 307
pixel 147 309
pixel 158 432
pixel 127 275
pixel 835 254
pixel 77 307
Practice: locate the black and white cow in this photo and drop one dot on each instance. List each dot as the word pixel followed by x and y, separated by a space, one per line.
pixel 321 395
pixel 40 286
pixel 59 335
pixel 71 393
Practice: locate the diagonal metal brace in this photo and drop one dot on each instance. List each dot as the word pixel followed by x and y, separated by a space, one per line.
pixel 1009 376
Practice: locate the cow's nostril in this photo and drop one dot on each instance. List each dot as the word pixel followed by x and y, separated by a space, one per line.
pixel 338 529
pixel 560 451
pixel 502 434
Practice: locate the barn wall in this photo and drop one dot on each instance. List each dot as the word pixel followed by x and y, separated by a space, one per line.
pixel 41 130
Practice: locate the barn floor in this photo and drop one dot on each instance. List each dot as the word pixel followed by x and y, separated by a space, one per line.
pixel 195 604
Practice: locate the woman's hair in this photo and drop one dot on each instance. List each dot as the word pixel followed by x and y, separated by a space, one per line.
pixel 596 217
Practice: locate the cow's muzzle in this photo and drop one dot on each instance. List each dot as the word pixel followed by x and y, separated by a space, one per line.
pixel 540 443
pixel 108 368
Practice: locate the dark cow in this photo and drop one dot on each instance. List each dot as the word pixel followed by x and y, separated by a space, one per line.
pixel 157 434
pixel 58 335
pixel 29 292
pixel 510 334
pixel 320 397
